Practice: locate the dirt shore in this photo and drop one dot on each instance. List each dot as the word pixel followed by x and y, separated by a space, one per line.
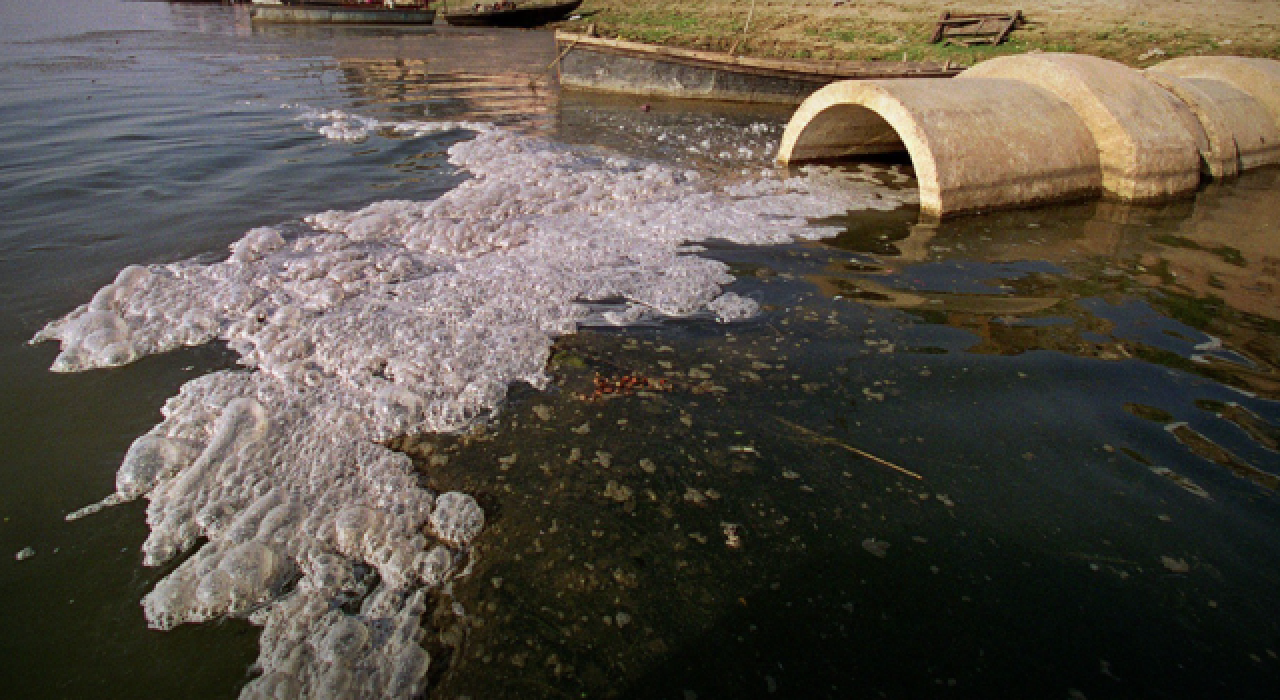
pixel 1137 32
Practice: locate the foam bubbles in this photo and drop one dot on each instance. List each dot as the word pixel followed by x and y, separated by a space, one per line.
pixel 271 483
pixel 457 518
pixel 337 125
pixel 731 307
pixel 147 460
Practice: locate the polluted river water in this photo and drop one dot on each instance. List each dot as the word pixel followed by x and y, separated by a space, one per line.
pixel 411 375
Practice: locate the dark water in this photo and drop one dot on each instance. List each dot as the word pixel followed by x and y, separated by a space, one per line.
pixel 1086 394
pixel 1038 371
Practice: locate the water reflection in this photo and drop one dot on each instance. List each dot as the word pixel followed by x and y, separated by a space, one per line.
pixel 1189 284
pixel 423 89
pixel 504 77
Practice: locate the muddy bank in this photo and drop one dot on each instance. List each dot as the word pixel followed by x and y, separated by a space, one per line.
pixel 1137 32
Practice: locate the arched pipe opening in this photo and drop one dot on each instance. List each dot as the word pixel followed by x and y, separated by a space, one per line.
pixel 968 150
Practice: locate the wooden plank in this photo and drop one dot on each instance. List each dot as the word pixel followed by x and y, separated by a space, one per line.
pixel 1013 23
pixel 937 30
pixel 976 28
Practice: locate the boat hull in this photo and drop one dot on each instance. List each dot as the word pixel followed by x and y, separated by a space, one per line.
pixel 608 65
pixel 338 14
pixel 522 17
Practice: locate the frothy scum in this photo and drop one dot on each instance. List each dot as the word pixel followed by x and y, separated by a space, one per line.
pixel 404 317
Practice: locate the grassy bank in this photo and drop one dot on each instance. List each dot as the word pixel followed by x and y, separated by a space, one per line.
pixel 1137 32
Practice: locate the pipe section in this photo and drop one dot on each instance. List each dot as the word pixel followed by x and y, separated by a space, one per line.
pixel 968 154
pixel 1019 130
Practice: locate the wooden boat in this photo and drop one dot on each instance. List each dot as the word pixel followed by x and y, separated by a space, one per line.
pixel 509 14
pixel 612 65
pixel 337 12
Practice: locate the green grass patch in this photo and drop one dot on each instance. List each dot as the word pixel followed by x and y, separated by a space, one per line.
pixel 649 36
pixel 671 21
pixel 1113 33
pixel 861 36
pixel 957 53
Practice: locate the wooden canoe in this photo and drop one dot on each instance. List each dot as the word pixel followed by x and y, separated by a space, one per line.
pixel 339 13
pixel 525 16
pixel 613 65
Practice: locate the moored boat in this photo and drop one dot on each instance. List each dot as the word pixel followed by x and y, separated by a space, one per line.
pixel 509 14
pixel 613 65
pixel 338 12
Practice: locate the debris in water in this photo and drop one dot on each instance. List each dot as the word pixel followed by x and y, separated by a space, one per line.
pixel 876 548
pixel 626 386
pixel 1177 566
pixel 832 441
pixel 732 535
pixel 617 492
pixel 1182 481
pixel 25 554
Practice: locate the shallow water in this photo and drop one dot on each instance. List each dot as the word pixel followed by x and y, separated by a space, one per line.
pixel 1029 559
pixel 1087 394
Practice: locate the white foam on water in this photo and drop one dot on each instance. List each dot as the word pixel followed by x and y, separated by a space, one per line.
pixel 717 140
pixel 403 317
pixel 338 125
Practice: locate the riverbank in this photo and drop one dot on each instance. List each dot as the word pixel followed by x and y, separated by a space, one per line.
pixel 1136 32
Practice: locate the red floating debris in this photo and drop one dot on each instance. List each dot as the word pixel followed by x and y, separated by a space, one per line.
pixel 625 385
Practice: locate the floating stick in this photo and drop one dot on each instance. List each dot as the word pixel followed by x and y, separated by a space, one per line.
pixel 861 453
